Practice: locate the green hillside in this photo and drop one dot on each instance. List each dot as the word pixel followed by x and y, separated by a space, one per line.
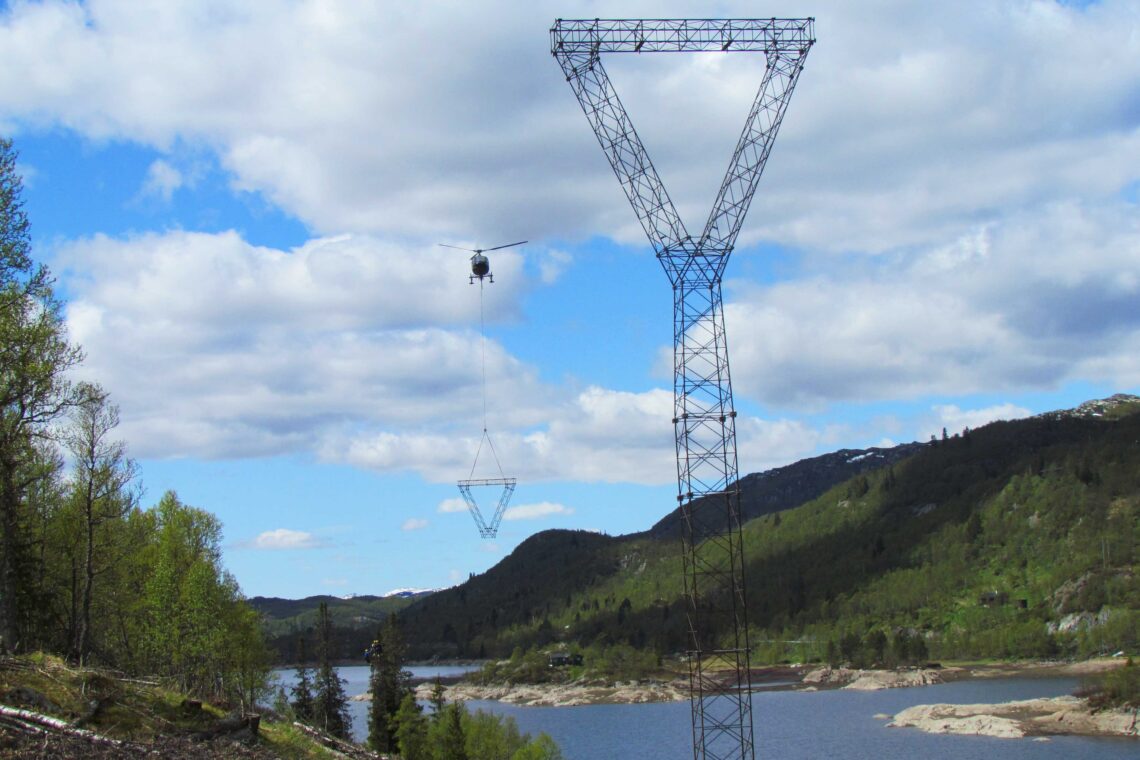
pixel 284 616
pixel 973 546
pixel 355 621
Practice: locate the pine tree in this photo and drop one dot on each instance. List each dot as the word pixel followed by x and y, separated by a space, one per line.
pixel 330 703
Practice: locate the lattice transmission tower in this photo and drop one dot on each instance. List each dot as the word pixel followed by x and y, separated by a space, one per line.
pixel 704 420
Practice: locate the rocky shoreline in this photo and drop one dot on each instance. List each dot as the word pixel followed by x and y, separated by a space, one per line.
pixel 566 694
pixel 1026 718
pixel 1054 716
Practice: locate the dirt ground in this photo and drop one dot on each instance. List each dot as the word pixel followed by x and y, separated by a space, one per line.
pixel 24 746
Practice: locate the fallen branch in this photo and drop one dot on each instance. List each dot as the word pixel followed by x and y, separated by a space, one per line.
pixel 36 722
pixel 338 747
pixel 19 725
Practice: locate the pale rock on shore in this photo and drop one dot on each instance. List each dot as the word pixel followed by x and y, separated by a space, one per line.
pixel 564 695
pixel 1028 717
pixel 872 680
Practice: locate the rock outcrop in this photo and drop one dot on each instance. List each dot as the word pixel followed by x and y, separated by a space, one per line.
pixel 872 680
pixel 1029 717
pixel 566 695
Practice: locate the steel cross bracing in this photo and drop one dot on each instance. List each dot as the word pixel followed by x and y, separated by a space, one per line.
pixel 488 529
pixel 704 419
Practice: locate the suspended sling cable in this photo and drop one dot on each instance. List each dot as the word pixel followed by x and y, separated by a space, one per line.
pixel 481 268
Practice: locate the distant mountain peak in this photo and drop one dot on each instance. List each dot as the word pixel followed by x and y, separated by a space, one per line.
pixel 1116 405
pixel 406 593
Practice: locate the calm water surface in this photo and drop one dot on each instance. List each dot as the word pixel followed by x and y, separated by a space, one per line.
pixel 789 724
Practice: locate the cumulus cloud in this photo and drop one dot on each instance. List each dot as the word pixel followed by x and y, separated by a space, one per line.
pixel 220 348
pixel 1038 299
pixel 954 420
pixel 536 511
pixel 448 506
pixel 162 180
pixel 283 538
pixel 955 204
pixel 343 115
pixel 413 523
pixel 597 435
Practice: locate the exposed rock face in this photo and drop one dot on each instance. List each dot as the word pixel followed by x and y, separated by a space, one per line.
pixel 1096 407
pixel 1029 717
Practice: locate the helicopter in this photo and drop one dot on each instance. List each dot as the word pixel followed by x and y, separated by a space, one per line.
pixel 480 264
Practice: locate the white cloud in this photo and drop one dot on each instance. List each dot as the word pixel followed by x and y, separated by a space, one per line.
pixel 899 134
pixel 448 506
pixel 954 420
pixel 283 538
pixel 536 511
pixel 220 348
pixel 162 180
pixel 956 200
pixel 1038 299
pixel 413 523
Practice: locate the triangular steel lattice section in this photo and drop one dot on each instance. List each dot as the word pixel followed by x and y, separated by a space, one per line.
pixel 487 529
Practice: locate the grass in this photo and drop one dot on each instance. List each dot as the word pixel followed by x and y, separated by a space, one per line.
pixel 136 710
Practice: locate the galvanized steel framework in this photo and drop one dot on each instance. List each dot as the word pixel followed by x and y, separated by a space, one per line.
pixel 704 419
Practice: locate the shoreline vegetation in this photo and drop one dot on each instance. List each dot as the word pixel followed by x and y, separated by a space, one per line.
pixel 1067 715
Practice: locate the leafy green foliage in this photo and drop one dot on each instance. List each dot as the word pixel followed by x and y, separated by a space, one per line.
pixel 189 621
pixel 453 733
pixel 1115 688
pixel 35 357
pixel 608 663
pixel 84 571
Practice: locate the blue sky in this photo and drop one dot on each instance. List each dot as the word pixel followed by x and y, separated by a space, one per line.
pixel 243 206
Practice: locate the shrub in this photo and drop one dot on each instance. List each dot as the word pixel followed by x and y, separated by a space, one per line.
pixel 1119 687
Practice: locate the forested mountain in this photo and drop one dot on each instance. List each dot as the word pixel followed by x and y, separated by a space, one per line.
pixel 1015 539
pixel 763 493
pixel 551 563
pixel 288 617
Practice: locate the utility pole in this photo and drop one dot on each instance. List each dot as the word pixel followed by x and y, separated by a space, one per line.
pixel 704 420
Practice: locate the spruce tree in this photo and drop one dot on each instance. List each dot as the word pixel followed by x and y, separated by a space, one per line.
pixel 302 691
pixel 330 703
pixel 389 683
pixel 438 697
pixel 411 730
pixel 446 736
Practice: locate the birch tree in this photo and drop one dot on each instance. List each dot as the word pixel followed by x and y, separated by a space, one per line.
pixel 35 356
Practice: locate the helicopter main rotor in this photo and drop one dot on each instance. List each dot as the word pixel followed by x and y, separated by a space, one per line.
pixel 480 264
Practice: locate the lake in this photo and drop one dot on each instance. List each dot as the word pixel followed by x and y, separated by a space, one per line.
pixel 788 724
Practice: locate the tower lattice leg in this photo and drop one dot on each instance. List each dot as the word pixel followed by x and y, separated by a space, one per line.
pixel 704 419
